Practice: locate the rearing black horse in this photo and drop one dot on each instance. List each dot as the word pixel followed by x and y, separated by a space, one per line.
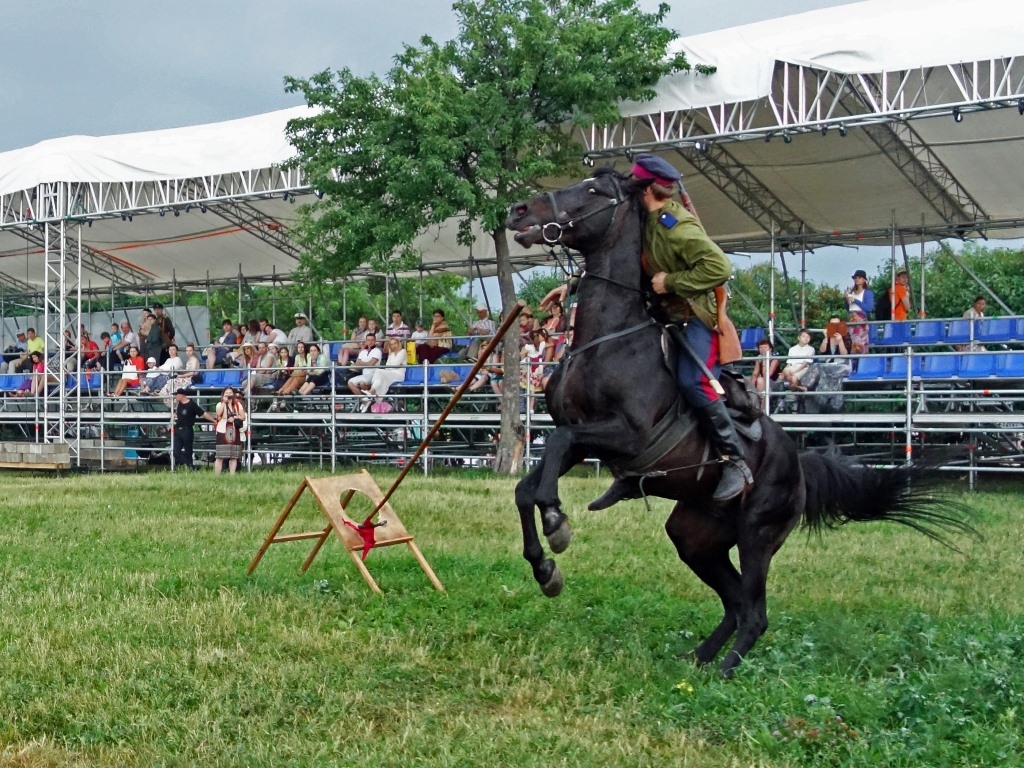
pixel 611 398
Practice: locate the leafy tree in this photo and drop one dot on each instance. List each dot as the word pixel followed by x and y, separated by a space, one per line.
pixel 465 128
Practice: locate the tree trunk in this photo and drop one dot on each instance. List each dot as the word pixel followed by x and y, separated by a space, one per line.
pixel 511 444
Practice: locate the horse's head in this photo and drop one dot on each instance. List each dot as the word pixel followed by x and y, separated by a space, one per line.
pixel 579 217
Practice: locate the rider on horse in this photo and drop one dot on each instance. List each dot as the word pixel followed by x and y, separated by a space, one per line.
pixel 685 266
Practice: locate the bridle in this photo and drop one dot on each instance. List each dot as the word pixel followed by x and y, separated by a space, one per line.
pixel 553 230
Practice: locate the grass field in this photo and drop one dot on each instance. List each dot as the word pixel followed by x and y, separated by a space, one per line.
pixel 130 635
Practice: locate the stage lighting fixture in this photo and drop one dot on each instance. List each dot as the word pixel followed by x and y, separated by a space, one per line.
pixel 124 217
pixel 842 130
pixel 768 137
pixel 702 145
pixel 957 115
pixel 629 155
pixel 177 212
pixel 1020 107
pixel 188 209
pixel 202 209
pixel 824 130
pixel 163 213
pixel 786 137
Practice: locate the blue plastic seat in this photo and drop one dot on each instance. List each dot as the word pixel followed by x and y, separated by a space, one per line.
pixel 414 376
pixel 897 368
pixel 893 334
pixel 995 330
pixel 212 379
pixel 940 367
pixel 1010 365
pixel 232 377
pixel 12 382
pixel 749 338
pixel 977 366
pixel 928 332
pixel 958 332
pixel 869 369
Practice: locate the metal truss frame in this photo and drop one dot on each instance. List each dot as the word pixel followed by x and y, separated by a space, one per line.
pixel 805 99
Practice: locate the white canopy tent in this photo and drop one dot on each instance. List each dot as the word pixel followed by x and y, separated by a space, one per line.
pixel 834 123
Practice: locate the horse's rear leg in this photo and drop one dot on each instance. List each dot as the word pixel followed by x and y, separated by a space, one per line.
pixel 703 541
pixel 761 537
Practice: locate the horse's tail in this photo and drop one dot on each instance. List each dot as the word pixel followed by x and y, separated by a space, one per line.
pixel 840 491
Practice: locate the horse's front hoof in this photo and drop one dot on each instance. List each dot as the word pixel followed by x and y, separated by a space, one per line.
pixel 553 586
pixel 559 539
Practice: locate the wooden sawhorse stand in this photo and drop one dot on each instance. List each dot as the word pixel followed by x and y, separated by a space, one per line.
pixel 333 494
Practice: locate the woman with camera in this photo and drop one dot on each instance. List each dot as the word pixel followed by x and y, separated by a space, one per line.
pixel 230 430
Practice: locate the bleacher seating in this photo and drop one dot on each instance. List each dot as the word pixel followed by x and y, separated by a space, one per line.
pixel 996 330
pixel 749 338
pixel 894 334
pixel 958 332
pixel 927 332
pixel 1010 366
pixel 869 369
pixel 897 368
pixel 12 382
pixel 977 366
pixel 940 366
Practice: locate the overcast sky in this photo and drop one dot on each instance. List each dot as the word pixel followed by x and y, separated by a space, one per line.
pixel 117 66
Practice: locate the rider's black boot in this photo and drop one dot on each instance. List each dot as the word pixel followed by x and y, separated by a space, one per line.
pixel 736 475
pixel 623 488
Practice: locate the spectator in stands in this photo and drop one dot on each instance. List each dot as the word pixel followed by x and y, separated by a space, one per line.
pixel 297 374
pixel 766 371
pixel 860 302
pixel 369 358
pixel 836 341
pixel 145 325
pixel 799 361
pixel 283 367
pixel 217 354
pixel 534 355
pixel 40 376
pixel 480 329
pixel 274 335
pixel 230 430
pixel 15 353
pixel 128 340
pixel 355 343
pixel 393 371
pixel 900 300
pixel 250 332
pixel 556 323
pixel 527 324
pixel 975 312
pixel 495 373
pixel 133 366
pixel 263 371
pixel 156 379
pixel 319 369
pixel 89 350
pixel 104 360
pixel 115 334
pixel 160 336
pixel 244 357
pixel 185 376
pixel 419 334
pixel 439 340
pixel 186 412
pixel 398 328
pixel 301 332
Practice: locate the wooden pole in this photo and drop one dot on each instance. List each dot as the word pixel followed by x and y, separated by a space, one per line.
pixel 485 353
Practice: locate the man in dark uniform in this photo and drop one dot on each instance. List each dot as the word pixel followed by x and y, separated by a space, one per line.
pixel 186 413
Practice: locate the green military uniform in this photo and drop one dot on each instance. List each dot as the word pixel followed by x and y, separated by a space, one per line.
pixel 693 264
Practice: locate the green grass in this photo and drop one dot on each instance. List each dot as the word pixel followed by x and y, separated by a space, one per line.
pixel 130 635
